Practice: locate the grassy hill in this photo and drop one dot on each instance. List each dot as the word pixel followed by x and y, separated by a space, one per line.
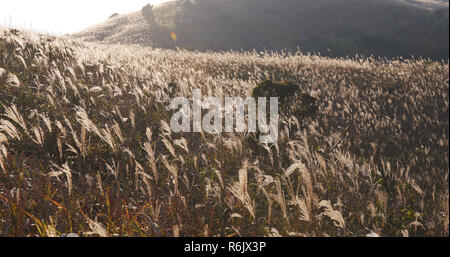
pixel 339 28
pixel 85 145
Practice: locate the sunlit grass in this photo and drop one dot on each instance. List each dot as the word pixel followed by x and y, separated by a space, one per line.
pixel 85 145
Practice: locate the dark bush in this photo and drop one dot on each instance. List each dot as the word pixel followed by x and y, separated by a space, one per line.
pixel 113 15
pixel 292 100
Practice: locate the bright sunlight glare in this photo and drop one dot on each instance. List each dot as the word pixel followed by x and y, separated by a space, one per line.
pixel 62 17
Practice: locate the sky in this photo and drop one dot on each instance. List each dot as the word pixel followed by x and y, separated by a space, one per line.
pixel 63 16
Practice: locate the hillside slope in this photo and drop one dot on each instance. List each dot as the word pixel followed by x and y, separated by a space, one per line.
pixel 85 145
pixel 332 27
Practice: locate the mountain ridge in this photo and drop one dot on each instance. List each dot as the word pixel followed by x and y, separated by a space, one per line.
pixel 334 28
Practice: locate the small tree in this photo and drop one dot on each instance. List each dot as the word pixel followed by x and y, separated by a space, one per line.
pixel 147 12
pixel 185 3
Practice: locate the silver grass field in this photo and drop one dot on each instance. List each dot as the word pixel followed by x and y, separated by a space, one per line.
pixel 86 146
